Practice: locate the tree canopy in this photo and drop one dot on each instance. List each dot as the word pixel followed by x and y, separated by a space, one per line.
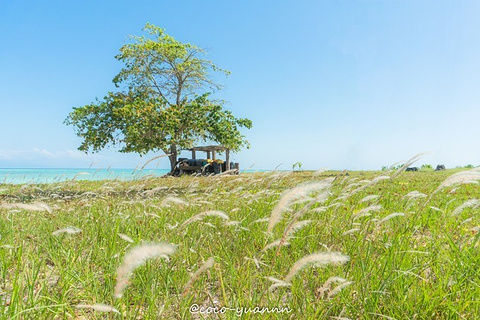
pixel 163 102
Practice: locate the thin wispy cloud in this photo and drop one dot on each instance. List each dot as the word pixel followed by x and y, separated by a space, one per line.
pixel 21 154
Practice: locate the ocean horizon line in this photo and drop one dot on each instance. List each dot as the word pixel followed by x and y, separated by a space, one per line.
pixel 77 168
pixel 52 175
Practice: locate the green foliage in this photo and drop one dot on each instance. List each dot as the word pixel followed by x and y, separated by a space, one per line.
pixel 393 167
pixel 138 123
pixel 165 68
pixel 396 167
pixel 426 167
pixel 297 164
pixel 164 105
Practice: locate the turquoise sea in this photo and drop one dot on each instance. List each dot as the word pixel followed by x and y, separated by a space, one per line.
pixel 40 175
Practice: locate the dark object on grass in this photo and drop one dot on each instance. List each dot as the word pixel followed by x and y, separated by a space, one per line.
pixel 217 168
pixel 412 169
pixel 440 167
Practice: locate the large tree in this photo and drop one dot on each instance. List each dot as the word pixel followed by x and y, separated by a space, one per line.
pixel 163 102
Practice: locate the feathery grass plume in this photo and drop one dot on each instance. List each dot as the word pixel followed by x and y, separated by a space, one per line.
pixel 276 243
pixel 69 230
pixel 293 222
pixel 151 192
pixel 153 215
pixel 379 178
pixel 414 159
pixel 174 200
pixel 36 206
pixel 277 283
pixel 327 285
pixel 38 188
pixel 98 307
pixel 209 224
pixel 228 172
pixel 449 202
pixel 320 209
pixel 171 226
pixel 464 177
pixel 136 257
pixel 338 288
pixel 390 216
pixel 354 183
pixel 319 258
pixel 437 209
pixel 382 315
pixel 291 195
pixel 89 194
pixel 467 204
pixel 368 209
pixel 319 172
pixel 351 231
pixel 261 220
pixel 80 174
pixel 206 265
pixel 24 187
pixel 361 215
pixel 414 195
pixel 125 237
pixel 360 183
pixel 321 197
pixel 204 202
pixel 256 261
pixel 369 198
pixel 210 213
pixel 297 226
pixel 346 191
pixel 366 185
pixel 232 223
pixel 154 158
pixel 342 197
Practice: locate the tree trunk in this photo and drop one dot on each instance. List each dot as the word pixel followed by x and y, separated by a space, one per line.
pixel 173 157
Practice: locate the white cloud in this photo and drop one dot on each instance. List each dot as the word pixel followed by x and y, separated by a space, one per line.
pixel 8 154
pixel 44 152
pixel 40 157
pixel 41 153
pixel 36 157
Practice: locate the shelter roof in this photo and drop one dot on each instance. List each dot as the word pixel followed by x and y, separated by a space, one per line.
pixel 208 148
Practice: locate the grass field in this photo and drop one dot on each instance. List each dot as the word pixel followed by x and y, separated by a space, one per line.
pixel 361 246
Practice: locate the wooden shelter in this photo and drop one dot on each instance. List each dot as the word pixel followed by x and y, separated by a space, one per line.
pixel 208 165
pixel 211 153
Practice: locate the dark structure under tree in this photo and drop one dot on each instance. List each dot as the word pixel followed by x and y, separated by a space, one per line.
pixel 209 165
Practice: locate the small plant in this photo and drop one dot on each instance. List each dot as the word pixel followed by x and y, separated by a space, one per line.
pixel 426 167
pixel 297 165
pixel 396 167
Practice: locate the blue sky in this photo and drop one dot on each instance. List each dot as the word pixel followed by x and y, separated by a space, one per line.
pixel 336 84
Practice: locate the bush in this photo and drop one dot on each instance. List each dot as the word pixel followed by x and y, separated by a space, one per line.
pixel 426 167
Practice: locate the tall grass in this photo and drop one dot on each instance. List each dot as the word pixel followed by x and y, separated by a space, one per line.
pixel 362 246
